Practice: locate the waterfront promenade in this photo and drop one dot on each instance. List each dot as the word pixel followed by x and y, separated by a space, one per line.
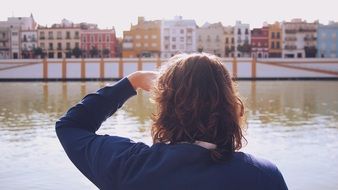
pixel 115 68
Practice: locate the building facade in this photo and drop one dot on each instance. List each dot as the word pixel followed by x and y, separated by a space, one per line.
pixel 143 39
pixel 242 37
pixel 59 40
pixel 15 25
pixel 299 39
pixel 260 42
pixel 98 43
pixel 5 43
pixel 28 43
pixel 178 36
pixel 327 41
pixel 211 39
pixel 229 41
pixel 275 40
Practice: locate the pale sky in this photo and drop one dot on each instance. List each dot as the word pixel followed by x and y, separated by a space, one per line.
pixel 120 13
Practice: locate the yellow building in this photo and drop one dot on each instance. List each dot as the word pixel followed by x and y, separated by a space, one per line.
pixel 275 40
pixel 143 39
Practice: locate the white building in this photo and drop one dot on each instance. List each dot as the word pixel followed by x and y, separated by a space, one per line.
pixel 16 25
pixel 178 36
pixel 242 36
pixel 29 42
pixel 211 39
pixel 299 37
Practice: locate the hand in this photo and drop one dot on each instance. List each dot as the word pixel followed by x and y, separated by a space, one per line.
pixel 142 79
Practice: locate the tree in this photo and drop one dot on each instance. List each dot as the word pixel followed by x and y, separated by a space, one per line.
pixel 94 52
pixel 106 52
pixel 245 48
pixel 38 52
pixel 200 49
pixel 77 52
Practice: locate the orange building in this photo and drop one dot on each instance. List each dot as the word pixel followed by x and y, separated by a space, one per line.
pixel 275 40
pixel 143 39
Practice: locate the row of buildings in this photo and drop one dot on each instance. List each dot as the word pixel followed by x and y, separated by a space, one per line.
pixel 22 37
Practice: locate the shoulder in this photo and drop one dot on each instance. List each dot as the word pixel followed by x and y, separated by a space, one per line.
pixel 268 173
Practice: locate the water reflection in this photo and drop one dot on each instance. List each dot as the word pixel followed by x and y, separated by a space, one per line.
pixel 288 122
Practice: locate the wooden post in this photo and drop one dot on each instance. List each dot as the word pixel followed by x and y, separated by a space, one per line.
pixel 253 68
pixel 120 68
pixel 234 68
pixel 83 69
pixel 158 62
pixel 139 64
pixel 102 69
pixel 45 68
pixel 64 69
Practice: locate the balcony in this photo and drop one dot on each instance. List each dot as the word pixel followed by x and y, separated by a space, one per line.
pixel 290 39
pixel 290 47
pixel 42 38
pixel 50 48
pixel 310 38
pixel 290 31
pixel 50 38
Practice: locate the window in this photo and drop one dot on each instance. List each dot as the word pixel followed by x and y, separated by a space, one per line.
pixel 67 35
pixel 59 46
pixel 42 45
pixel 173 39
pixel 77 44
pixel 153 45
pixel 108 39
pixel 50 47
pixel 246 31
pixel 59 35
pixel 181 39
pixel 50 35
pixel 76 35
pixel 166 47
pixel 68 46
pixel 166 37
pixel 138 44
pixel 42 35
pixel 138 37
pixel 226 40
pixel 173 47
pixel 154 37
pixel 182 31
pixel 239 31
pixel 145 36
pixel 278 45
pixel 272 35
pixel 278 35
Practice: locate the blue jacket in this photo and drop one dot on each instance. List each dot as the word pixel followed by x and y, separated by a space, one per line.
pixel 113 162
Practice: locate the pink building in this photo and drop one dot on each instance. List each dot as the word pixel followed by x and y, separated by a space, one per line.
pixel 98 43
pixel 260 42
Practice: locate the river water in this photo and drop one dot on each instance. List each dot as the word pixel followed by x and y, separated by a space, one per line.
pixel 291 123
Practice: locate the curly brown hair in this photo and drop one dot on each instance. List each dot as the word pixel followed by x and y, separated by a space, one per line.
pixel 197 101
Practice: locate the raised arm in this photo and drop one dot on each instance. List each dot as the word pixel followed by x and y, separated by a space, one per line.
pixel 96 155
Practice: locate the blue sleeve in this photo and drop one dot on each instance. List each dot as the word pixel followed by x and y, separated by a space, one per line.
pixel 98 157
